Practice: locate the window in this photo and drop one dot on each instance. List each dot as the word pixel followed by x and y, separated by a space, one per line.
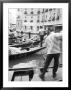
pixel 25 27
pixel 45 20
pixel 31 16
pixel 25 20
pixel 31 21
pixel 46 10
pixel 18 17
pixel 50 9
pixel 37 28
pixel 18 23
pixel 43 11
pixel 31 12
pixel 18 9
pixel 31 27
pixel 53 19
pixel 38 20
pixel 41 27
pixel 42 21
pixel 57 17
pixel 38 12
pixel 25 12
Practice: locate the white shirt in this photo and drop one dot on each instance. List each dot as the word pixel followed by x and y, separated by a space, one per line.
pixel 52 43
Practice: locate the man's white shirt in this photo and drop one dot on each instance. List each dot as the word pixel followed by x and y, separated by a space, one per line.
pixel 52 43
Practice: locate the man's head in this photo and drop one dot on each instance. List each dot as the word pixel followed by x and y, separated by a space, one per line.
pixel 57 30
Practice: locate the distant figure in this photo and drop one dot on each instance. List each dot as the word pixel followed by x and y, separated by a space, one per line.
pixel 41 34
pixel 53 50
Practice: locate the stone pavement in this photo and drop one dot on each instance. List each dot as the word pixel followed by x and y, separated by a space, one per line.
pixel 40 62
pixel 48 76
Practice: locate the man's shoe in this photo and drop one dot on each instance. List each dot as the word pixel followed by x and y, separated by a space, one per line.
pixel 42 77
pixel 54 75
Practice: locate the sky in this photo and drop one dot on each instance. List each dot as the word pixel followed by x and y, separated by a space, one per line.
pixel 12 15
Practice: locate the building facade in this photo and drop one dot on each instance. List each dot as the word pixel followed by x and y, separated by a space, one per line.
pixel 34 20
pixel 23 21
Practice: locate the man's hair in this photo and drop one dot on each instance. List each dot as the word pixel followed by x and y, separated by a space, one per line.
pixel 48 32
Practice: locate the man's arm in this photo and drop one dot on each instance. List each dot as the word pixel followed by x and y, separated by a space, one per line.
pixel 58 36
pixel 47 43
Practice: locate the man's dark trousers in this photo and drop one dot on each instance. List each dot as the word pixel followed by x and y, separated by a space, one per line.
pixel 48 61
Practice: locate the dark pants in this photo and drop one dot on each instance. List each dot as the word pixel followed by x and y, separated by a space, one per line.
pixel 41 39
pixel 48 60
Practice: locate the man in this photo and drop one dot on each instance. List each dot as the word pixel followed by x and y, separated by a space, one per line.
pixel 41 34
pixel 53 50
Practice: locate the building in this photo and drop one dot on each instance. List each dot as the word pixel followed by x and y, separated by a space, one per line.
pixel 23 21
pixel 37 19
